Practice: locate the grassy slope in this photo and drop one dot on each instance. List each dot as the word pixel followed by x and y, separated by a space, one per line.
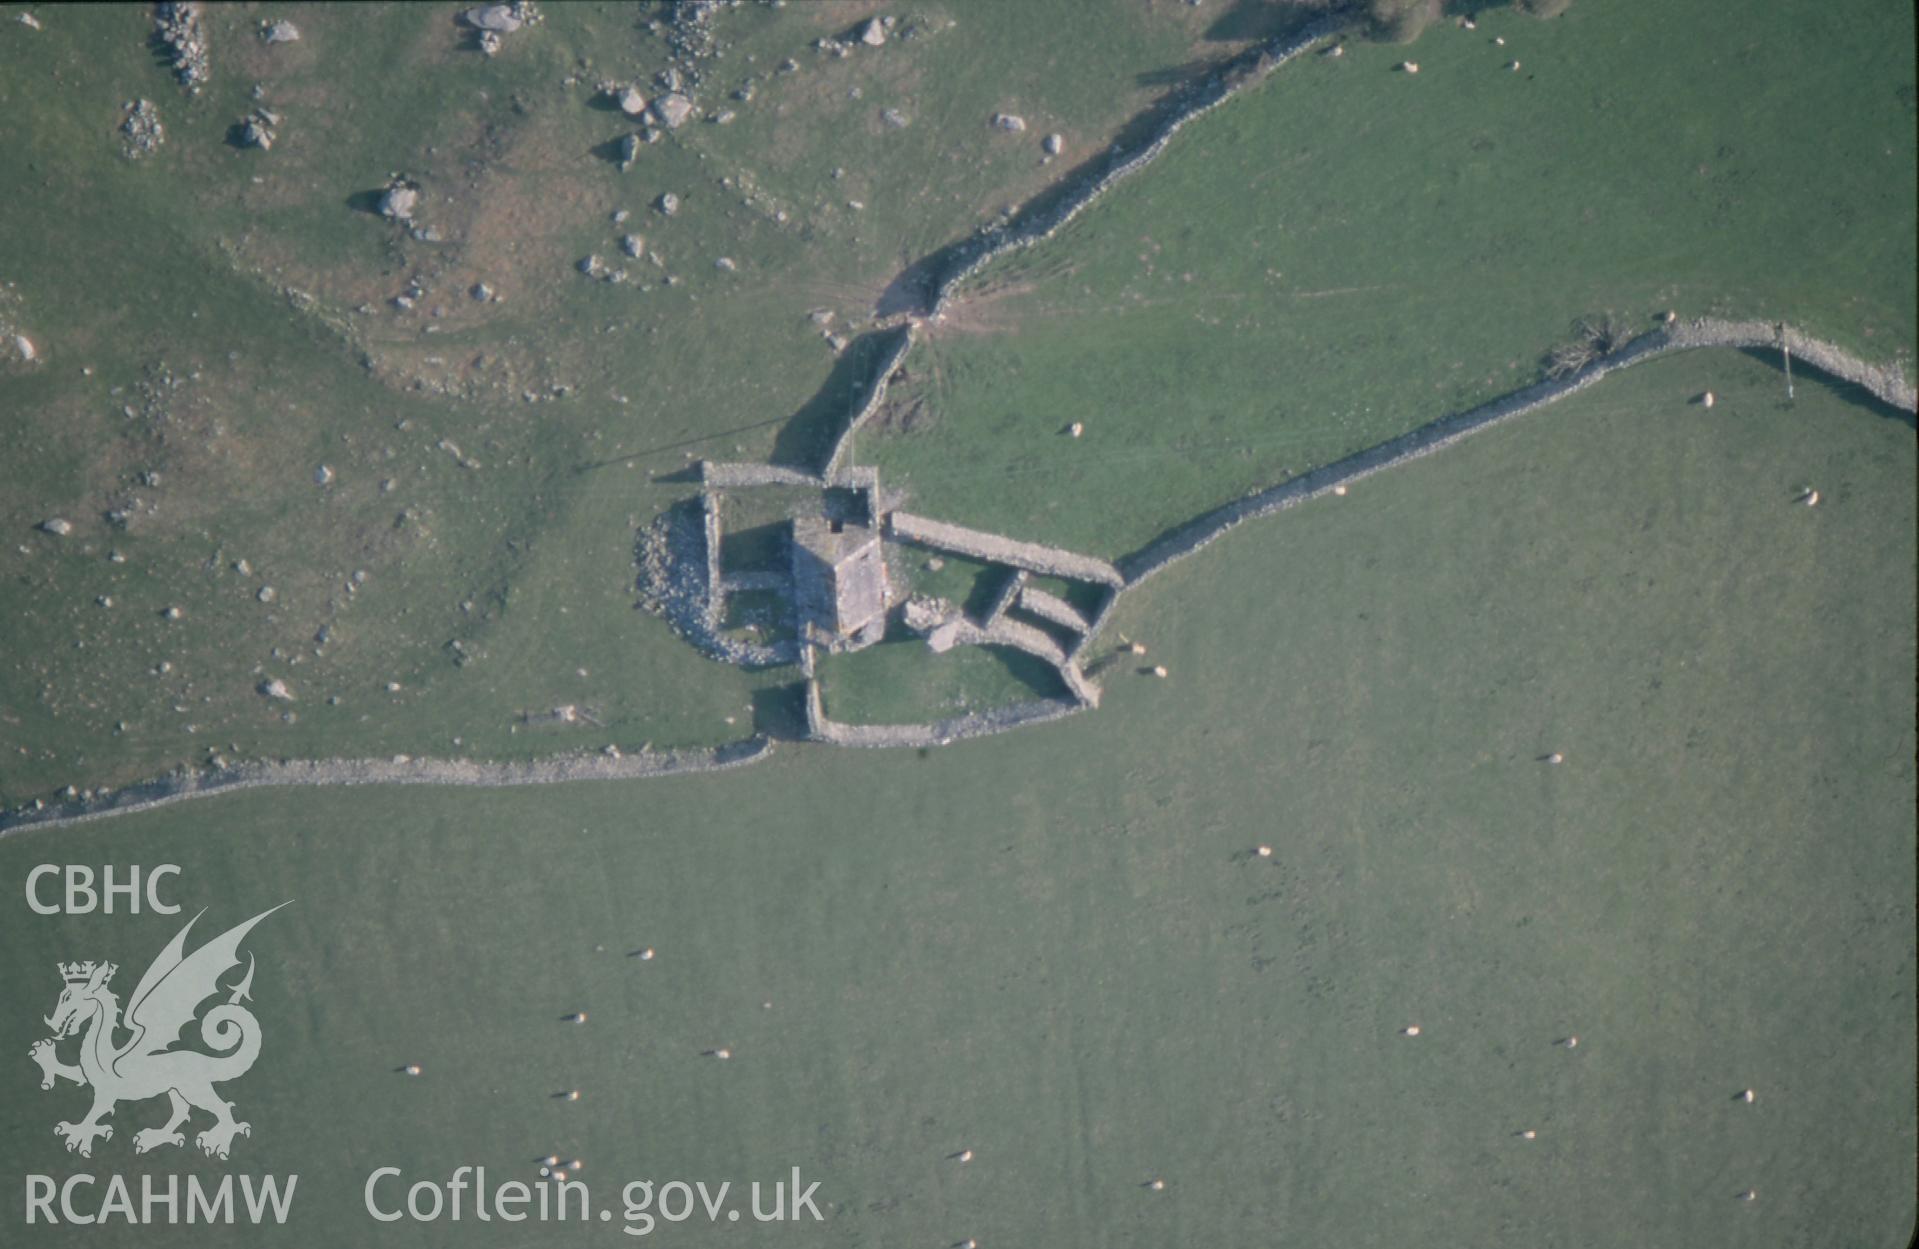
pixel 1053 947
pixel 1348 252
pixel 180 260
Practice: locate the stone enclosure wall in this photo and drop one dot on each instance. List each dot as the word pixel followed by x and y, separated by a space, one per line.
pixel 991 547
pixel 1889 385
pixel 607 764
pixel 939 733
pixel 690 605
pixel 873 395
pixel 1116 163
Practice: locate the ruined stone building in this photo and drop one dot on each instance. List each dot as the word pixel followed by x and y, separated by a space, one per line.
pixel 839 582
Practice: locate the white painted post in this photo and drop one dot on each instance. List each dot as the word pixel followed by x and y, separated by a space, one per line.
pixel 1786 352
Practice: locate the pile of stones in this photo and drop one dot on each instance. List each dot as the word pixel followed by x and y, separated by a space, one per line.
pixel 178 25
pixel 688 31
pixel 141 130
pixel 494 21
pixel 671 559
pixel 257 129
pixel 398 201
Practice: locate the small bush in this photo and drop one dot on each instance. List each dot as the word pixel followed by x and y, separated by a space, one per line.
pixel 1593 339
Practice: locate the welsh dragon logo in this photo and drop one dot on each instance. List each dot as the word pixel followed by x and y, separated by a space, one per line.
pixel 165 1001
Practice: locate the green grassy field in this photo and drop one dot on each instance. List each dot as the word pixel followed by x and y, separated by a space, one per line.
pixel 901 682
pixel 216 322
pixel 1055 948
pixel 1349 252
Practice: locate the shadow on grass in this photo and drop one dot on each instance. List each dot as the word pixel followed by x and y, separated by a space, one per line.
pixel 757 548
pixel 986 591
pixel 1032 678
pixel 1804 373
pixel 917 288
pixel 608 151
pixel 808 436
pixel 683 472
pixel 913 288
pixel 1175 75
pixel 366 201
pixel 779 712
pixel 1262 19
pixel 1030 671
pixel 161 50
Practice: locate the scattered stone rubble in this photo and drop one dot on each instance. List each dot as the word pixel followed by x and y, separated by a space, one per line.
pixel 690 39
pixel 1118 162
pixel 179 28
pixel 671 110
pixel 400 199
pixel 499 18
pixel 674 585
pixel 258 128
pixel 870 33
pixel 141 131
pixel 592 266
pixel 221 777
pixel 670 573
pixel 279 32
pixel 495 21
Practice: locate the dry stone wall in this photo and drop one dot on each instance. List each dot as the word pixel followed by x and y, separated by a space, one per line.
pixel 1243 71
pixel 1109 598
pixel 1052 607
pixel 1888 384
pixel 604 765
pixel 938 733
pixel 991 547
pixel 728 476
pixel 874 395
pixel 691 607
pixel 710 535
pixel 1008 591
